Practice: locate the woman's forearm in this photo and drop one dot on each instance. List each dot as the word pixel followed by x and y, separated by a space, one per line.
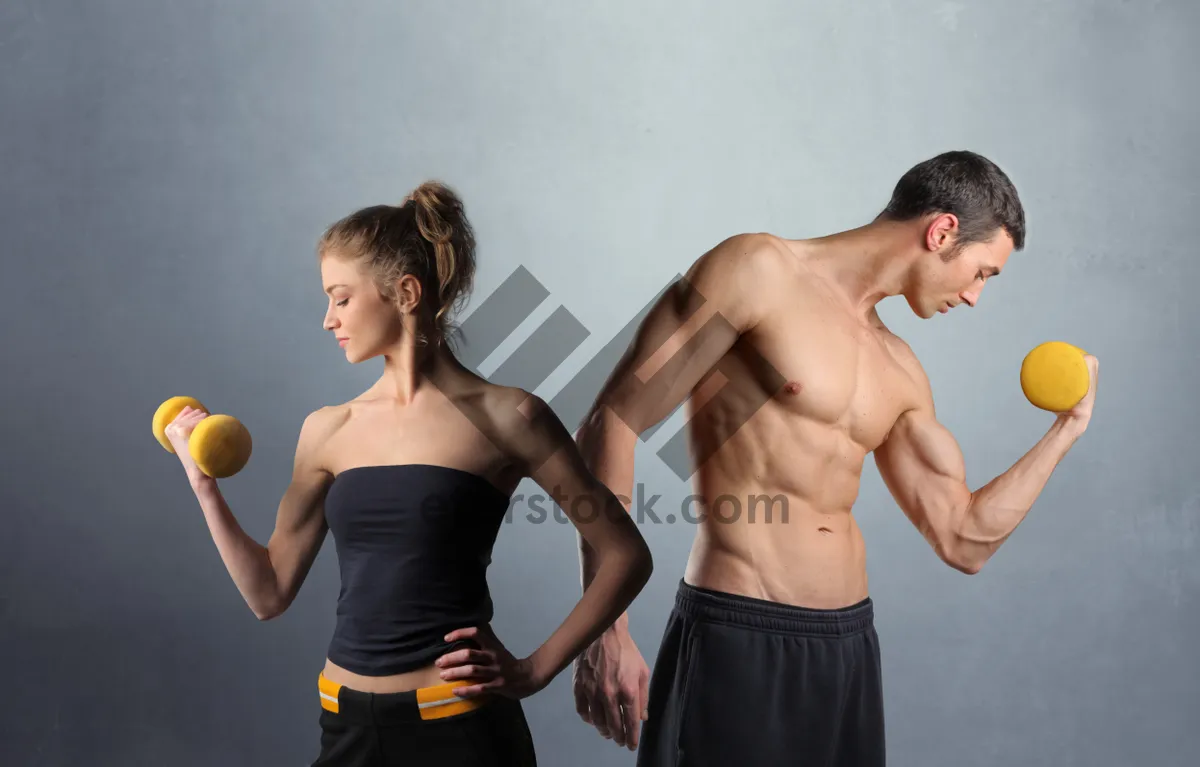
pixel 607 446
pixel 246 560
pixel 619 574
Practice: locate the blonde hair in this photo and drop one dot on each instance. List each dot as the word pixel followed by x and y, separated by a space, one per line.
pixel 427 236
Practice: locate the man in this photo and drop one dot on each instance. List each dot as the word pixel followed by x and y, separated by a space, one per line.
pixel 770 656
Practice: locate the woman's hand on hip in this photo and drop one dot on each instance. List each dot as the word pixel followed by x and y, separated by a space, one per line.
pixel 490 669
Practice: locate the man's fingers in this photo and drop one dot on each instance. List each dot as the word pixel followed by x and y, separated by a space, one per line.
pixel 599 718
pixel 581 703
pixel 644 693
pixel 631 708
pixel 616 722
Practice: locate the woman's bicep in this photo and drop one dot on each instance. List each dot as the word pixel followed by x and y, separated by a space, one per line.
pixel 300 526
pixel 553 461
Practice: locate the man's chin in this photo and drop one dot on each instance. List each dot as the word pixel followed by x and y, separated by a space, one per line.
pixel 923 312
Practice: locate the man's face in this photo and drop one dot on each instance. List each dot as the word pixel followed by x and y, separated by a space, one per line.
pixel 943 285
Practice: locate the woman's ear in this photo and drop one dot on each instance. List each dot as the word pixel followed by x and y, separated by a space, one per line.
pixel 408 294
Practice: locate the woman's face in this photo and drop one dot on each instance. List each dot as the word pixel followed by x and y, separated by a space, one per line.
pixel 364 323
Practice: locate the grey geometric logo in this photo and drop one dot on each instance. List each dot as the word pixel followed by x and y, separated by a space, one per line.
pixel 561 333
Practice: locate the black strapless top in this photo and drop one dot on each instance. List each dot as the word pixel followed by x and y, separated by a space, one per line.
pixel 414 542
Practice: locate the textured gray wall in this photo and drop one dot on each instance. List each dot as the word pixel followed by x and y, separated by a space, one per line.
pixel 165 169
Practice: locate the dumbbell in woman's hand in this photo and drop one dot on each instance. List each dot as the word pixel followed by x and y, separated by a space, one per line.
pixel 217 446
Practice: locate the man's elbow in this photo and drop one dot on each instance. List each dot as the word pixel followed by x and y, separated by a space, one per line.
pixel 959 556
pixel 612 416
pixel 966 567
pixel 592 423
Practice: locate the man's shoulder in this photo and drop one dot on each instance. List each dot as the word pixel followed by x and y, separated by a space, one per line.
pixel 900 350
pixel 908 362
pixel 761 252
pixel 744 270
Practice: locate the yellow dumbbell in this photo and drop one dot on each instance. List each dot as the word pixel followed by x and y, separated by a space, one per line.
pixel 220 444
pixel 1055 376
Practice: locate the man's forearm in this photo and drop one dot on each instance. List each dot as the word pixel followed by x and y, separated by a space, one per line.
pixel 998 507
pixel 607 446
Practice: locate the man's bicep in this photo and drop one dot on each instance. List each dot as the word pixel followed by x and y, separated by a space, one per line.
pixel 922 466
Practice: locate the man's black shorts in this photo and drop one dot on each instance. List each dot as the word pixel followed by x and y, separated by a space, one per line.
pixel 743 682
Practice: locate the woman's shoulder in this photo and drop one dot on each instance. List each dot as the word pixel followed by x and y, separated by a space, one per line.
pixel 507 414
pixel 341 412
pixel 330 413
pixel 321 423
pixel 510 407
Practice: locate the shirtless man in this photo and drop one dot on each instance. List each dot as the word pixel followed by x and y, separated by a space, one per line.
pixel 770 656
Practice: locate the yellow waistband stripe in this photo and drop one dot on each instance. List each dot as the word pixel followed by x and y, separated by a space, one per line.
pixel 435 702
pixel 439 701
pixel 329 693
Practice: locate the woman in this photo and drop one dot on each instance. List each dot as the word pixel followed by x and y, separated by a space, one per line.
pixel 413 477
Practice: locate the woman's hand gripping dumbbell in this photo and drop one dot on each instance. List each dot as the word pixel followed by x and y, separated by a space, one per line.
pixel 213 446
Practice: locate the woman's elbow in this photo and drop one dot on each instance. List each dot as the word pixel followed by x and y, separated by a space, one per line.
pixel 266 610
pixel 630 557
pixel 641 564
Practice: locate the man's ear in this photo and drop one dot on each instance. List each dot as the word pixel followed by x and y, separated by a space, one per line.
pixel 941 232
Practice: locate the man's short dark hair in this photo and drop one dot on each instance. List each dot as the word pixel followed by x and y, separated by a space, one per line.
pixel 968 185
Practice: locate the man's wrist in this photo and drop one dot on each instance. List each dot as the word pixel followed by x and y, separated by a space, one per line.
pixel 620 625
pixel 1073 426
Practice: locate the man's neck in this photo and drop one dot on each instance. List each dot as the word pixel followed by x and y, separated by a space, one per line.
pixel 863 265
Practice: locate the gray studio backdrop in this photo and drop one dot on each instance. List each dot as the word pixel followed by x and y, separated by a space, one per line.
pixel 165 169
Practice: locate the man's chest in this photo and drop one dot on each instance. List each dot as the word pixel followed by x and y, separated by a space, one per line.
pixel 834 372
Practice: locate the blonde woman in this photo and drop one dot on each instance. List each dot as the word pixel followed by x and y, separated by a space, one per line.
pixel 413 478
